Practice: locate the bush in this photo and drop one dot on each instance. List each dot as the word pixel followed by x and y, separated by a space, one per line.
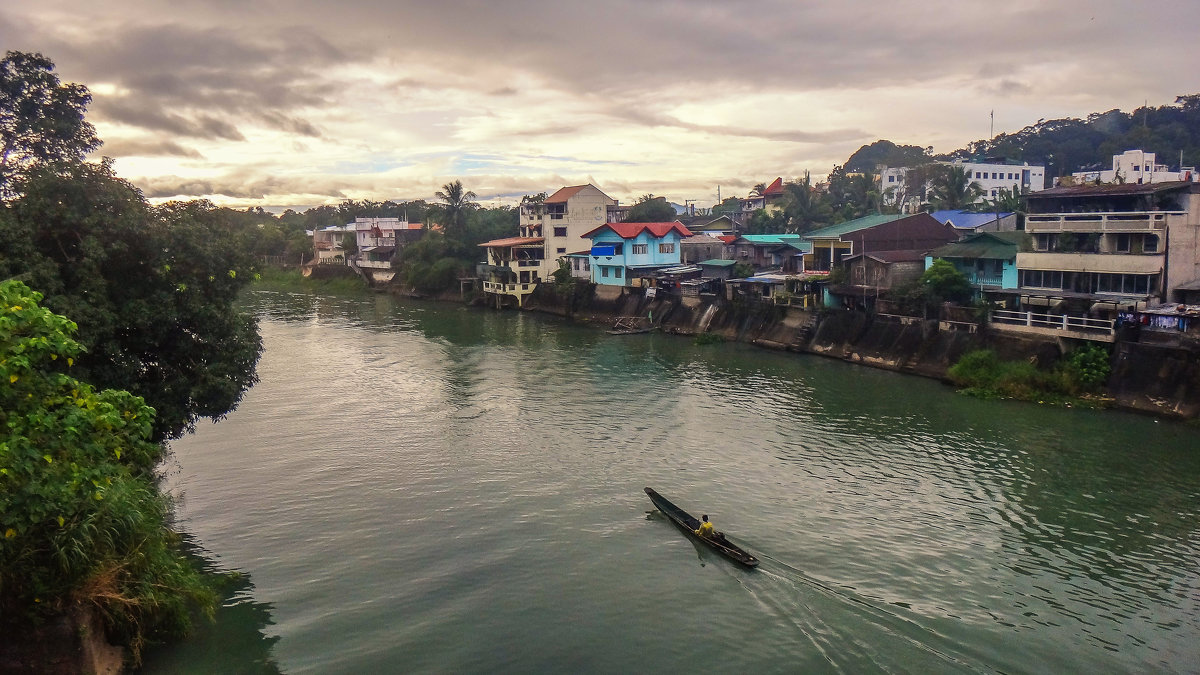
pixel 1087 368
pixel 982 373
pixel 81 521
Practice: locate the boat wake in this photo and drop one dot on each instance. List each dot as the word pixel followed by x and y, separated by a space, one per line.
pixel 884 640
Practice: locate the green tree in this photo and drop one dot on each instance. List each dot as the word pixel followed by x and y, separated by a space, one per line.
pixel 805 208
pixel 943 282
pixel 952 188
pixel 41 119
pixel 81 522
pixel 651 209
pixel 457 204
pixel 152 289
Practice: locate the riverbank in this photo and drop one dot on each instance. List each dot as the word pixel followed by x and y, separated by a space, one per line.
pixel 1156 379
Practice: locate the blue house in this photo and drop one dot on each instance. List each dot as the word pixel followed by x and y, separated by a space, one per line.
pixel 988 259
pixel 623 252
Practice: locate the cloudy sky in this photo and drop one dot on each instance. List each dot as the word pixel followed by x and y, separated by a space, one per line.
pixel 299 103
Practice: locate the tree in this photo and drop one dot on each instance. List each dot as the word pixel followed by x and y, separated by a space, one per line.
pixel 805 207
pixel 457 203
pixel 651 209
pixel 943 282
pixel 152 289
pixel 41 119
pixel 952 188
pixel 81 523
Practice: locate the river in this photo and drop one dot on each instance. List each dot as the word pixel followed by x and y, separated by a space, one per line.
pixel 426 488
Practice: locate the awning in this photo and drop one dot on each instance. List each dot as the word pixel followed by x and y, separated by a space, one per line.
pixel 603 251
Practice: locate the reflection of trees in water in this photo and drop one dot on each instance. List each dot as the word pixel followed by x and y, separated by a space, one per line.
pixel 235 642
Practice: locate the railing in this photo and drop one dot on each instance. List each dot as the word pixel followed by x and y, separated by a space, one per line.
pixel 513 289
pixel 987 280
pixel 1053 321
pixel 1118 221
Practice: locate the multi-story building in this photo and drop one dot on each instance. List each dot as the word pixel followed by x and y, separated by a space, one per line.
pixel 1136 166
pixel 1099 247
pixel 769 199
pixel 992 176
pixel 624 252
pixel 379 238
pixel 549 230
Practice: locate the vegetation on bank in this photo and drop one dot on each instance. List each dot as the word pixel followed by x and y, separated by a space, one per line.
pixel 81 520
pixel 154 343
pixel 290 279
pixel 1079 377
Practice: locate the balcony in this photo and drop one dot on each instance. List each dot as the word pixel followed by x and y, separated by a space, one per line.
pixel 1054 325
pixel 1111 221
pixel 1109 263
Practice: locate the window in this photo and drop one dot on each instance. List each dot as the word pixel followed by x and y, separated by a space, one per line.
pixel 994 192
pixel 1121 243
pixel 617 272
pixel 666 248
pixel 560 231
pixel 979 174
pixel 1137 168
pixel 603 271
pixel 560 250
pixel 640 249
pixel 891 179
pixel 993 175
pixel 1041 279
pixel 1150 243
pixel 618 248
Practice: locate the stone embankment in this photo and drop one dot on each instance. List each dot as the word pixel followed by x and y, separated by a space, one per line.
pixel 1159 379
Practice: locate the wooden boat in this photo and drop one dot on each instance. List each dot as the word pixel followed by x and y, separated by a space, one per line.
pixel 689 524
pixel 631 325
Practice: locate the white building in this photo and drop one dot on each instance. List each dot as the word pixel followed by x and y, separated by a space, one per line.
pixel 1136 166
pixel 990 176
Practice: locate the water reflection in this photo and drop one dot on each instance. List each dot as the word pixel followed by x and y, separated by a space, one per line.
pixel 237 641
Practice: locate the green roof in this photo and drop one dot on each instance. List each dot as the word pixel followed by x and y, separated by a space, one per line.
pixel 985 245
pixel 715 262
pixel 770 238
pixel 834 231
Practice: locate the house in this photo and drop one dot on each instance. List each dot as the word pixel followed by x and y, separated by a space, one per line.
pixel 828 245
pixel 379 239
pixel 716 268
pixel 701 247
pixel 764 251
pixel 966 222
pixel 327 242
pixel 987 259
pixel 1136 166
pixel 797 290
pixel 721 225
pixel 991 174
pixel 580 263
pixel 770 199
pixel 870 274
pixel 514 267
pixel 624 253
pixel 1096 248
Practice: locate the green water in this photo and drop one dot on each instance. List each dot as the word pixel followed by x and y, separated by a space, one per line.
pixel 432 489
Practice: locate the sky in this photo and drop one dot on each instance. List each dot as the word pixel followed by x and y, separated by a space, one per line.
pixel 307 102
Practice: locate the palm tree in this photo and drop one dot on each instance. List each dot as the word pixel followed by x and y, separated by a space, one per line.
pixel 453 212
pixel 954 189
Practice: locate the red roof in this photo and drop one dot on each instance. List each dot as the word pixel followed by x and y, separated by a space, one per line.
pixel 564 194
pixel 775 188
pixel 512 241
pixel 631 230
pixel 728 238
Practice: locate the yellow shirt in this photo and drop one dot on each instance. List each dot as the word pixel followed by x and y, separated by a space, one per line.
pixel 706 530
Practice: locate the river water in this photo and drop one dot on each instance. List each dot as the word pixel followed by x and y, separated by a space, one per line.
pixel 425 488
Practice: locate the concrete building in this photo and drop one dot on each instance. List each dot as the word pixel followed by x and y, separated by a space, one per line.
pixel 992 176
pixel 1136 166
pixel 1100 247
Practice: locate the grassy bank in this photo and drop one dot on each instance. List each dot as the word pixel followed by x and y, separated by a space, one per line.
pixel 1077 380
pixel 290 279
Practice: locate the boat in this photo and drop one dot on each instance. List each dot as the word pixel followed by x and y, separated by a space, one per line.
pixel 688 523
pixel 631 325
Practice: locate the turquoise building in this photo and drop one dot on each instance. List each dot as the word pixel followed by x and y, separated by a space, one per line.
pixel 623 252
pixel 987 259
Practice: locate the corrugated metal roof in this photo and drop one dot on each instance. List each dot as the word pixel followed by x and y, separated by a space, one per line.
pixel 1107 190
pixel 512 241
pixel 985 245
pixel 717 263
pixel 632 230
pixel 835 231
pixel 890 256
pixel 770 238
pixel 967 220
pixel 563 194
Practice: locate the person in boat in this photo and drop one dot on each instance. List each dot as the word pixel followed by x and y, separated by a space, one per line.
pixel 706 528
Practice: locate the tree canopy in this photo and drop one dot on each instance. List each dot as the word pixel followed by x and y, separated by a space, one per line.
pixel 80 518
pixel 651 209
pixel 41 119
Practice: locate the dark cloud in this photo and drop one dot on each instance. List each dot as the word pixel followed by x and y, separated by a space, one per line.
pixel 118 148
pixel 129 110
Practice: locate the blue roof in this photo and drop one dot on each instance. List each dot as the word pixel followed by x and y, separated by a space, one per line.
pixel 965 220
